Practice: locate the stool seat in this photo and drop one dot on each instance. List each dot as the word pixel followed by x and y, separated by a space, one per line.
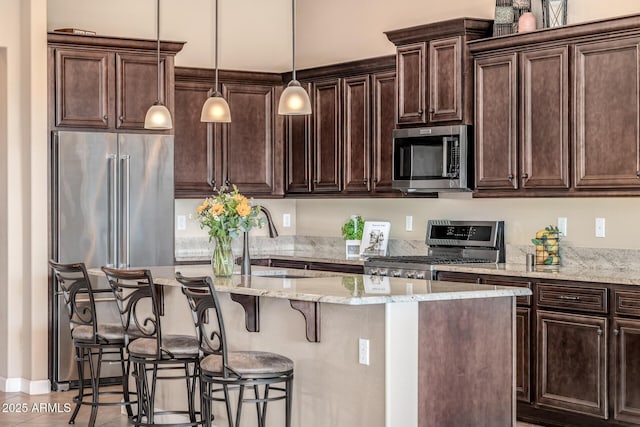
pixel 110 332
pixel 247 363
pixel 177 345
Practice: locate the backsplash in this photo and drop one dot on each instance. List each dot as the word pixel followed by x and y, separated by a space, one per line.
pixel 198 248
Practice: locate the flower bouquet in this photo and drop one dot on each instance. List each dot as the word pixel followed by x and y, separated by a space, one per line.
pixel 226 214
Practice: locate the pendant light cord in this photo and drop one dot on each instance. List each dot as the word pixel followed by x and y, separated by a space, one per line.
pixel 215 44
pixel 158 46
pixel 293 32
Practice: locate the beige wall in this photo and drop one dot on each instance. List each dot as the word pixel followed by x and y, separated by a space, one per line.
pixel 23 192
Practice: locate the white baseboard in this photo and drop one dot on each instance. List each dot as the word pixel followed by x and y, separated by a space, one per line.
pixel 13 385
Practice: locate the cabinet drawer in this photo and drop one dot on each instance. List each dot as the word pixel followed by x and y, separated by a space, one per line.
pixel 593 300
pixel 510 281
pixel 627 302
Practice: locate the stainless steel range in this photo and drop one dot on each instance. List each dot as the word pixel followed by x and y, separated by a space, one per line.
pixel 449 242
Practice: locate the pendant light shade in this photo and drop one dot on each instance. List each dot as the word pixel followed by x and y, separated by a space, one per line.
pixel 294 99
pixel 215 108
pixel 158 116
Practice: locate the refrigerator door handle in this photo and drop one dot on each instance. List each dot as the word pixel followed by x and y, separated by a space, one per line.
pixel 126 209
pixel 112 232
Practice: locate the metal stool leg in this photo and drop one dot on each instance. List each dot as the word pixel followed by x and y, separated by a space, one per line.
pixel 80 364
pixel 126 366
pixel 288 399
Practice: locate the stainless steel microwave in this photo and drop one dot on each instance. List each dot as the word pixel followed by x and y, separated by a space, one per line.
pixel 433 159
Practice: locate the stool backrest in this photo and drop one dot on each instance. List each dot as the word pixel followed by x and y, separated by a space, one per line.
pixel 207 315
pixel 75 287
pixel 137 303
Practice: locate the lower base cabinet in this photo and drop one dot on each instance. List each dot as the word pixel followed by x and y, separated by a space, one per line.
pixel 626 354
pixel 572 363
pixel 523 353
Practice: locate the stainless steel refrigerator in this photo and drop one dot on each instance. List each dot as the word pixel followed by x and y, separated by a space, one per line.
pixel 111 203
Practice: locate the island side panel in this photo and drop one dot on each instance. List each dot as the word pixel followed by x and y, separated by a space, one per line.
pixel 466 363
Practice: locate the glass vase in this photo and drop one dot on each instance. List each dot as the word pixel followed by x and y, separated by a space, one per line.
pixel 222 258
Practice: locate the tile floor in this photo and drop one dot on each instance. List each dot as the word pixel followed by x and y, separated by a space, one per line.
pixel 56 414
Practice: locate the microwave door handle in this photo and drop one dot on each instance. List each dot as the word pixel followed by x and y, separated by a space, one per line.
pixel 445 156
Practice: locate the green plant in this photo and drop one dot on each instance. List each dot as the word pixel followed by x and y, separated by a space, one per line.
pixel 351 231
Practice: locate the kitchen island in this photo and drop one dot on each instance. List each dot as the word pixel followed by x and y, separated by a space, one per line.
pixel 434 353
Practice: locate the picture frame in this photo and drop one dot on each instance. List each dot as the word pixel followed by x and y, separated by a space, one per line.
pixel 375 238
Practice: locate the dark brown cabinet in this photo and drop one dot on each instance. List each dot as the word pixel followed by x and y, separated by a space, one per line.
pixel 345 147
pixel 244 152
pixel 626 356
pixel 434 73
pixel 529 150
pixel 247 143
pixel 107 84
pixel 412 100
pixel 607 111
pixel 574 118
pixel 572 363
pixel 327 136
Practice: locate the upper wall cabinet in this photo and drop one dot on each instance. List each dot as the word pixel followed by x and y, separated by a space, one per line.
pixel 247 152
pixel 435 73
pixel 345 147
pixel 107 83
pixel 552 115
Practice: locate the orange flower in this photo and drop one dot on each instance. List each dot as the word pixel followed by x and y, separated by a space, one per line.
pixel 216 209
pixel 203 206
pixel 243 209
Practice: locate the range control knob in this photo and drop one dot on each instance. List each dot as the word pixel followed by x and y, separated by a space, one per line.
pixel 383 273
pixel 411 275
pixel 420 276
pixel 373 272
pixel 395 273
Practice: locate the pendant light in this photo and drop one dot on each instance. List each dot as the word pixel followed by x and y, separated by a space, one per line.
pixel 294 99
pixel 158 116
pixel 215 108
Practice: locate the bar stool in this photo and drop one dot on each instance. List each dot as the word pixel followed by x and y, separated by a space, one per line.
pixel 92 339
pixel 221 370
pixel 150 351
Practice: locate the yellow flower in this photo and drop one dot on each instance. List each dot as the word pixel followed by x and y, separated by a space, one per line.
pixel 239 198
pixel 243 209
pixel 216 209
pixel 203 206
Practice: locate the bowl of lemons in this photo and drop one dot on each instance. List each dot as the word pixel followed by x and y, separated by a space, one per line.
pixel 547 243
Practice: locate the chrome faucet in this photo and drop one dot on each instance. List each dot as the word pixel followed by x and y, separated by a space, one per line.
pixel 246 259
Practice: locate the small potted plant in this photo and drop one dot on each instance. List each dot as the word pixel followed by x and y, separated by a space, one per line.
pixel 352 234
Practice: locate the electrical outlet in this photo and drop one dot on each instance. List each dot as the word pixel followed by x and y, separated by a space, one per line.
pixel 562 226
pixel 408 223
pixel 600 227
pixel 286 220
pixel 181 222
pixel 363 351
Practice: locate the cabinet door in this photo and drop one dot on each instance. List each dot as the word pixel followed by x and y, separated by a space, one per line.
pixel 607 137
pixel 496 122
pixel 572 363
pixel 356 132
pixel 411 68
pixel 194 153
pixel 83 88
pixel 298 151
pixel 137 87
pixel 384 113
pixel 327 143
pixel 523 354
pixel 544 120
pixel 445 80
pixel 247 142
pixel 626 357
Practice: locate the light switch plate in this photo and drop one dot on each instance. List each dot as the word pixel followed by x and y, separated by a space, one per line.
pixel 181 222
pixel 600 223
pixel 408 223
pixel 562 226
pixel 363 351
pixel 286 220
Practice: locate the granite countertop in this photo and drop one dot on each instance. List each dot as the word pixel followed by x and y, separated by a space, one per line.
pixel 289 255
pixel 616 276
pixel 334 288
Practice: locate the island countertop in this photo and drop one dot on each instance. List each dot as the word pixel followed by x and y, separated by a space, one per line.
pixel 334 288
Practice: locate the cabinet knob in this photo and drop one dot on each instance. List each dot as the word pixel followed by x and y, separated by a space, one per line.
pixel 226 182
pixel 121 118
pixel 510 177
pixel 105 117
pixel 431 110
pixel 315 181
pixel 525 175
pixel 419 111
pixel 638 174
pixel 365 181
pixel 616 332
pixel 599 332
pixel 212 183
